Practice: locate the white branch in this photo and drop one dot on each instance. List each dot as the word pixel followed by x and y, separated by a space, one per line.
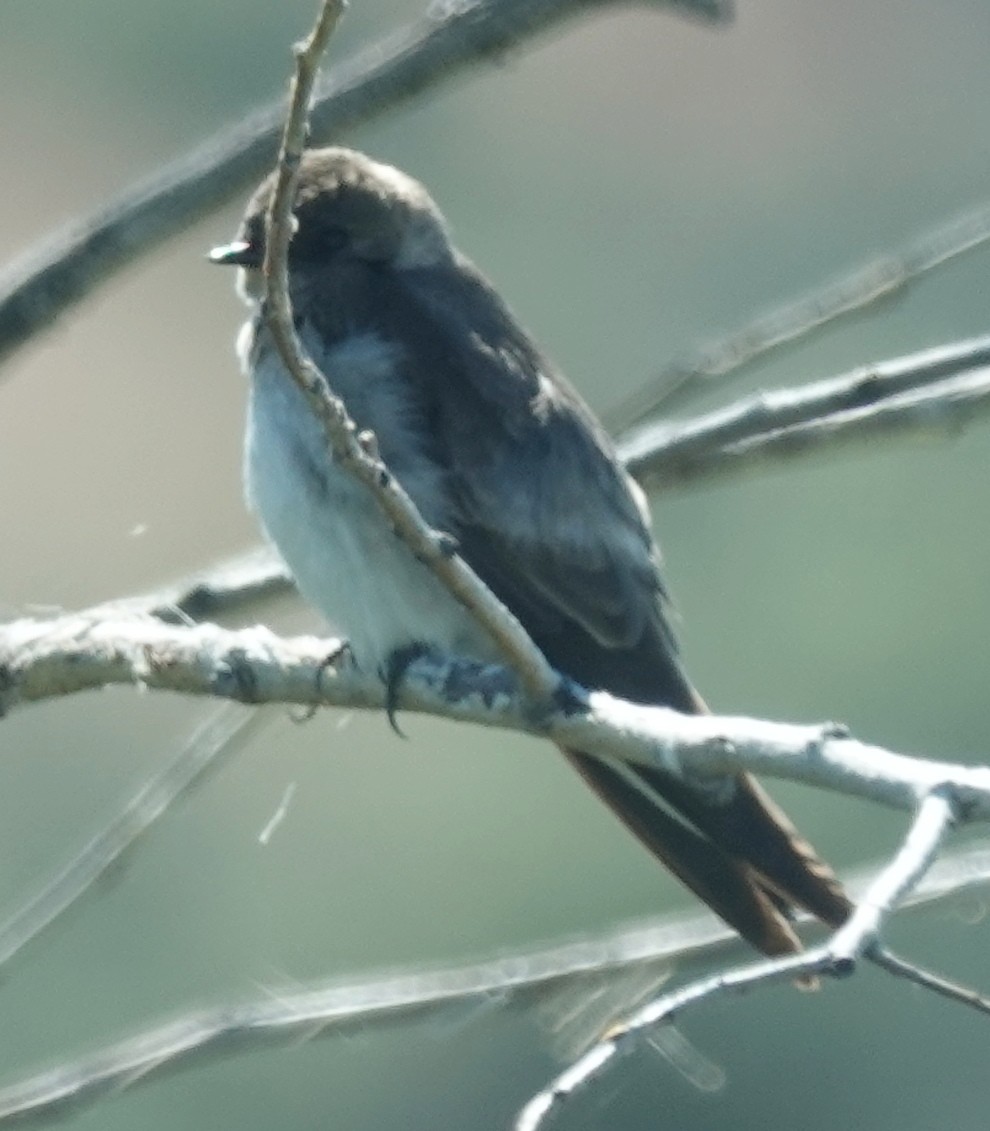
pixel 936 389
pixel 881 280
pixel 285 1016
pixel 934 819
pixel 835 957
pixel 41 659
pixel 229 589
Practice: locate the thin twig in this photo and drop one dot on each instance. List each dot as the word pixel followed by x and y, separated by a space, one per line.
pixel 934 389
pixel 881 280
pixel 937 389
pixel 226 590
pixel 936 983
pixel 836 957
pixel 935 818
pixel 61 271
pixel 223 734
pixel 527 976
pixel 356 454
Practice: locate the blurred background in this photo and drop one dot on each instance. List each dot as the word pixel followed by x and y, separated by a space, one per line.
pixel 635 185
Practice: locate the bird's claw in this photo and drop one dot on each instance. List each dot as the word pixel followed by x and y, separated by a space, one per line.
pixel 393 673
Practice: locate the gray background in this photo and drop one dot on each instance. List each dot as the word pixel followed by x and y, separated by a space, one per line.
pixel 635 185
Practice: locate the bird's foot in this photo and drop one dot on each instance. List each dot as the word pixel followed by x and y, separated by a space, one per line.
pixel 331 659
pixel 394 672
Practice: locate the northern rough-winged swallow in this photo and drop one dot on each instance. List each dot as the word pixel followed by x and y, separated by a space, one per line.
pixel 497 449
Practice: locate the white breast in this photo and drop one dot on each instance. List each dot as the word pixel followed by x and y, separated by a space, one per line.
pixel 340 550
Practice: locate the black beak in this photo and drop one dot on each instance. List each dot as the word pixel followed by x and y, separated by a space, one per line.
pixel 240 253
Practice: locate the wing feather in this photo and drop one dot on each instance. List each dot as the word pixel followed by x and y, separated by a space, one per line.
pixel 542 500
pixel 546 515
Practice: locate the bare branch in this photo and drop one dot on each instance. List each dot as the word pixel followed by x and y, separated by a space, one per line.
pixel 449 38
pixel 286 1016
pixel 225 590
pixel 41 659
pixel 932 823
pixel 883 279
pixel 936 983
pixel 836 957
pixel 217 739
pixel 357 454
pixel 936 389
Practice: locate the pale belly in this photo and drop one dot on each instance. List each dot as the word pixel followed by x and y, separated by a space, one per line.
pixel 344 557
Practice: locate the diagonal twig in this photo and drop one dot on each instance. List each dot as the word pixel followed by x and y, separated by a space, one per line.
pixel 283 1018
pixel 938 388
pixel 936 983
pixel 217 739
pixel 357 454
pixel 881 280
pixel 935 389
pixel 836 957
pixel 51 278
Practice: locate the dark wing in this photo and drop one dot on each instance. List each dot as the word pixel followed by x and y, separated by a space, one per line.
pixel 541 507
pixel 547 514
pixel 549 519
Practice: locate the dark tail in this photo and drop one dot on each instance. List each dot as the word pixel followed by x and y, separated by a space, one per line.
pixel 743 856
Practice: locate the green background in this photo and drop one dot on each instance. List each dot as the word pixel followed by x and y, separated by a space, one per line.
pixel 635 184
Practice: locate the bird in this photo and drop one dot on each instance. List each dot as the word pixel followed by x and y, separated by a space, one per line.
pixel 500 453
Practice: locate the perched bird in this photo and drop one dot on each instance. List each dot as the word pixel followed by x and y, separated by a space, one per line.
pixel 498 450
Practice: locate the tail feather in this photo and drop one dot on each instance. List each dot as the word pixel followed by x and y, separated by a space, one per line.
pixel 744 857
pixel 754 828
pixel 723 882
